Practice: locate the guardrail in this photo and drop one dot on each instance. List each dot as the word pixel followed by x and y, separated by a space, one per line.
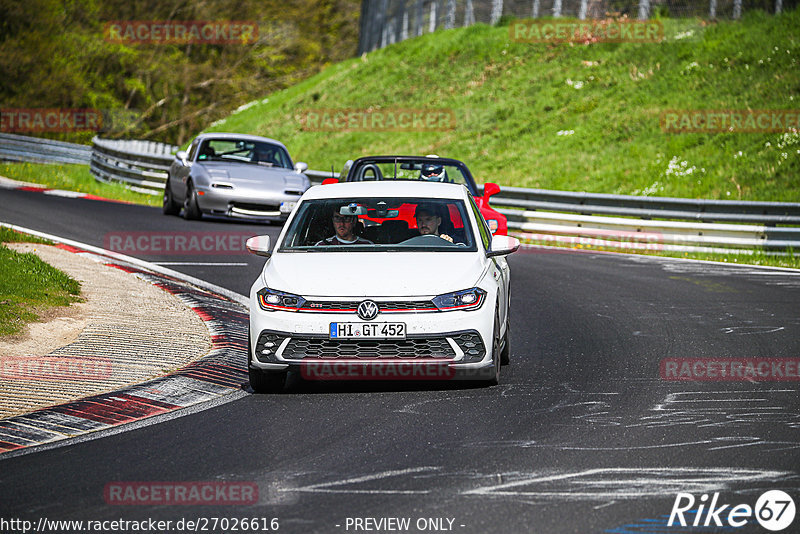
pixel 615 221
pixel 650 207
pixel 606 220
pixel 19 148
pixel 142 165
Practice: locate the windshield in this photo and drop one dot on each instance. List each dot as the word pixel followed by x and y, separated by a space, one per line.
pixel 380 224
pixel 255 152
pixel 423 169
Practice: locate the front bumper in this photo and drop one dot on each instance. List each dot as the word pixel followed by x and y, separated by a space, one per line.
pixel 451 345
pixel 330 370
pixel 230 203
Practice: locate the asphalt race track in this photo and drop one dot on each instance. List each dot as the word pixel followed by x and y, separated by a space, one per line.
pixel 583 434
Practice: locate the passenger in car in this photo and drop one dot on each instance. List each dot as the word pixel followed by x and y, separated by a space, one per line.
pixel 345 227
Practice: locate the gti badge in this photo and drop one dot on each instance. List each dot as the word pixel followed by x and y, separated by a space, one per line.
pixel 367 310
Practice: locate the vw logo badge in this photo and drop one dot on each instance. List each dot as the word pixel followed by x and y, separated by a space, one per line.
pixel 367 310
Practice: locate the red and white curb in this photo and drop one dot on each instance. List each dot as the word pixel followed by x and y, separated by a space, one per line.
pixel 8 183
pixel 221 372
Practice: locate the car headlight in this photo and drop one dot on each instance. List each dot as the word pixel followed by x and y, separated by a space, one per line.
pixel 493 225
pixel 271 300
pixel 468 299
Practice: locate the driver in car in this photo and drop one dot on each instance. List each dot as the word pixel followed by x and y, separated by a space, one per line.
pixel 433 173
pixel 263 156
pixel 345 226
pixel 428 221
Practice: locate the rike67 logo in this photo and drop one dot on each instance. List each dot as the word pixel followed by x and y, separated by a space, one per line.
pixel 774 511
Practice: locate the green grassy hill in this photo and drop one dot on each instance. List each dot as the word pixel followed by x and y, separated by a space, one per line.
pixel 567 116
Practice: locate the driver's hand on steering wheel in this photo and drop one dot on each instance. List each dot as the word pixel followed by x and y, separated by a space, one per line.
pixel 446 237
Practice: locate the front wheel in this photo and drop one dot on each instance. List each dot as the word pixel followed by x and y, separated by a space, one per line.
pixel 495 378
pixel 266 381
pixel 505 354
pixel 169 206
pixel 191 211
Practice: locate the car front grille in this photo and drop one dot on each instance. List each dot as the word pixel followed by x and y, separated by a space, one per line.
pixel 410 348
pixel 316 348
pixel 351 306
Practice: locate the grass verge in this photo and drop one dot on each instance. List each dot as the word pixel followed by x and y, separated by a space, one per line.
pixel 74 177
pixel 29 286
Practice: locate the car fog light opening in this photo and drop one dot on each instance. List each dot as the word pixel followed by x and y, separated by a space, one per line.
pixel 472 346
pixel 271 300
pixel 469 299
pixel 268 345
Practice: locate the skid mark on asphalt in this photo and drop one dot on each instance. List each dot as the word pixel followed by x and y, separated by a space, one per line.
pixel 705 285
pixel 721 420
pixel 595 408
pixel 632 483
pixel 603 485
pixel 749 330
pixel 724 409
pixel 772 277
pixel 353 485
pixel 712 444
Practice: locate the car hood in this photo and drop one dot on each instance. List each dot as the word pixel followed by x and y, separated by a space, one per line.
pixel 249 175
pixel 372 274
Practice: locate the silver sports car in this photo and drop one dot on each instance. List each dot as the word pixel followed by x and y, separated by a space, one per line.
pixel 234 175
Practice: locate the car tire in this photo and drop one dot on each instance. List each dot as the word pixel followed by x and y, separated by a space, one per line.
pixel 495 378
pixel 264 381
pixel 267 381
pixel 505 354
pixel 169 206
pixel 191 211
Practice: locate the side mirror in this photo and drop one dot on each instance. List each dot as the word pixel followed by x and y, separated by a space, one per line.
pixel 301 166
pixel 259 245
pixel 489 189
pixel 502 245
pixel 181 155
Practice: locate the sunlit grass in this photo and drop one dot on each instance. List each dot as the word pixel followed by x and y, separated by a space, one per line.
pixel 28 286
pixel 74 177
pixel 567 116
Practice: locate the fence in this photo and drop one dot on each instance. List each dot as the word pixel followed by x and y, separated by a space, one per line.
pixel 384 22
pixel 614 221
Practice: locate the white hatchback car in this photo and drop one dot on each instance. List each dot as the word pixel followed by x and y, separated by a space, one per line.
pixel 381 280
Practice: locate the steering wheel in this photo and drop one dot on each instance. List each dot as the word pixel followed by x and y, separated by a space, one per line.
pixel 426 240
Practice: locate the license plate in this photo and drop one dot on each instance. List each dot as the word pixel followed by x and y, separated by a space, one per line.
pixel 287 207
pixel 368 331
